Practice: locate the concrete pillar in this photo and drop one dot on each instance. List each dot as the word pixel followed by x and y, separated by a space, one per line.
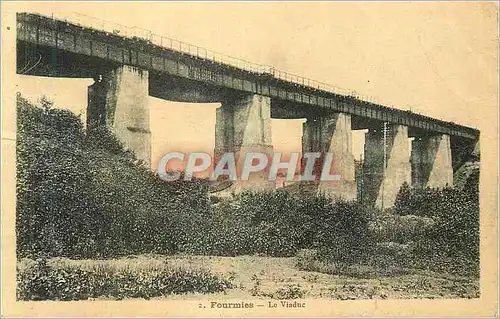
pixel 431 162
pixel 331 134
pixel 381 183
pixel 243 125
pixel 119 101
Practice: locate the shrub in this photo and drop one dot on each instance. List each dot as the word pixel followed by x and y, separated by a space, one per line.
pixel 269 223
pixel 305 257
pixel 387 227
pixel 290 291
pixel 44 282
pixel 426 202
pixel 279 224
pixel 455 230
pixel 228 232
pixel 343 233
pixel 51 181
pixel 81 194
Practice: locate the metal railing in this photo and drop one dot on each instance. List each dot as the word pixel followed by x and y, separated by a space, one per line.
pixel 202 53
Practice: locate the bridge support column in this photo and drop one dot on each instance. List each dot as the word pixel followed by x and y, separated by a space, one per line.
pixel 381 183
pixel 331 134
pixel 431 162
pixel 119 100
pixel 243 125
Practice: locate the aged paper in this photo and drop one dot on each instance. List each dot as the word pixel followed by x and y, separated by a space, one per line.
pixel 220 78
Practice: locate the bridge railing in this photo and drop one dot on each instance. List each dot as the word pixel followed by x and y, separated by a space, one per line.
pixel 202 53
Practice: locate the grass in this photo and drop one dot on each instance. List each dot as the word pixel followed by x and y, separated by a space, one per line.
pixel 255 277
pixel 374 281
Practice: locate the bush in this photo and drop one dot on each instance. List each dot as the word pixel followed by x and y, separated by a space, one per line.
pixel 455 214
pixel 290 291
pixel 426 202
pixel 387 227
pixel 81 194
pixel 269 223
pixel 228 232
pixel 305 257
pixel 282 222
pixel 343 234
pixel 44 282
pixel 278 224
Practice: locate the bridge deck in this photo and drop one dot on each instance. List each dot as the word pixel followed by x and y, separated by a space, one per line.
pixel 72 50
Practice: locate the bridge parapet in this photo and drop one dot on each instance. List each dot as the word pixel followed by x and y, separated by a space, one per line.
pixel 166 42
pixel 112 48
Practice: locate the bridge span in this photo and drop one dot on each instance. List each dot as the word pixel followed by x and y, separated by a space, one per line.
pixel 127 69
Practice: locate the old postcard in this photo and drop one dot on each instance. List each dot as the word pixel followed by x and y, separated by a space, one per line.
pixel 249 159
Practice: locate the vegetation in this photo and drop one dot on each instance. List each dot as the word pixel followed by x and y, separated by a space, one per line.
pixel 41 281
pixel 81 195
pixel 377 281
pixel 453 240
pixel 279 224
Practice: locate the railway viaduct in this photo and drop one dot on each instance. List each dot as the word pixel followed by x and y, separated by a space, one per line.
pixel 127 69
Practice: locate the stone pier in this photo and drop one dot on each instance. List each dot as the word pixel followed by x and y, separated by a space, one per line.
pixel 331 134
pixel 431 162
pixel 382 184
pixel 243 125
pixel 119 100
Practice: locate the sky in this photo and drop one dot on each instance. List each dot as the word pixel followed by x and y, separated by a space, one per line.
pixel 437 59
